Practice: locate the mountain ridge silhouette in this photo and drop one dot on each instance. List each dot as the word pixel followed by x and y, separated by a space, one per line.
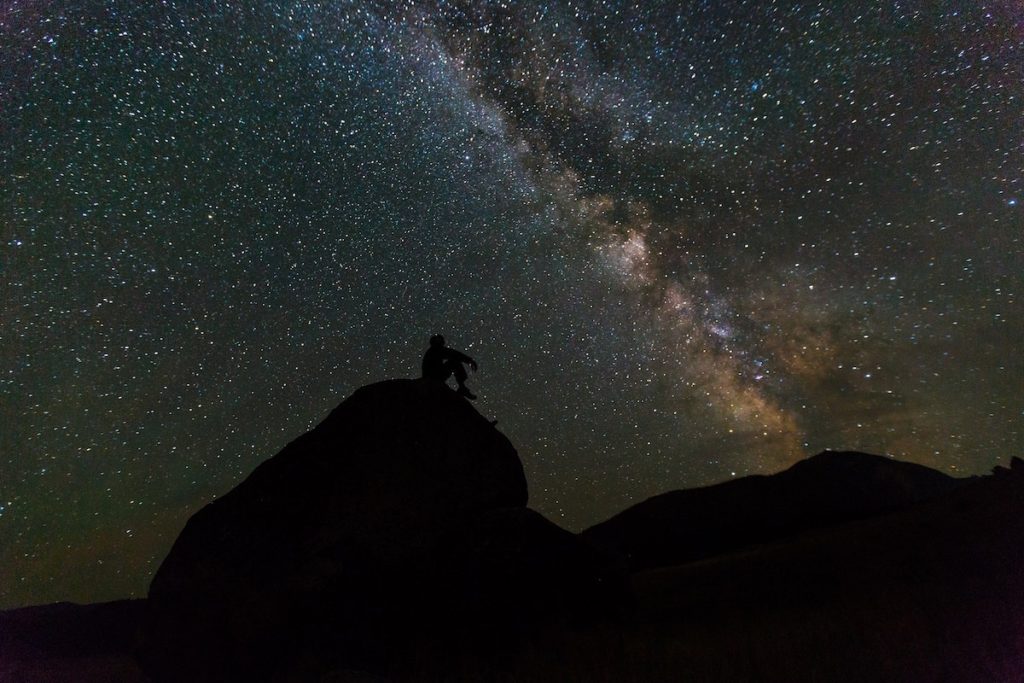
pixel 393 542
pixel 829 488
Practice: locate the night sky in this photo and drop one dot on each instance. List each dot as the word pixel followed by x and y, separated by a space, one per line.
pixel 686 241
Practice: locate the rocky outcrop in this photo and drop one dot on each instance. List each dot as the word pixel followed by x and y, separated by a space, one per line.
pixel 398 520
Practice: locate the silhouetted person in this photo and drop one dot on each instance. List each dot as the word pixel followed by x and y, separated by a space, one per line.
pixel 441 362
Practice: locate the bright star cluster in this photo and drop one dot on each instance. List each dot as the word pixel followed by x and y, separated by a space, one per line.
pixel 686 241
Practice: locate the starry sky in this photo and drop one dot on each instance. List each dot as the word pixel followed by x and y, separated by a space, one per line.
pixel 686 241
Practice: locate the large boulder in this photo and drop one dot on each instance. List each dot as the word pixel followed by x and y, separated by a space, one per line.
pixel 399 520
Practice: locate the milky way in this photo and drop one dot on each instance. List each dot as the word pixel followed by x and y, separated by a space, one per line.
pixel 686 242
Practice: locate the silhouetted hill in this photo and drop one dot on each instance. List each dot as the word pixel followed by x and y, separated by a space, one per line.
pixel 928 593
pixel 401 517
pixel 393 543
pixel 827 489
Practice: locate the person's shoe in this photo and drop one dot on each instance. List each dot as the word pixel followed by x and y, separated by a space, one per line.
pixel 463 391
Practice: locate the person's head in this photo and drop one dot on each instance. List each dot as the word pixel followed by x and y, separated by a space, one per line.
pixel 437 340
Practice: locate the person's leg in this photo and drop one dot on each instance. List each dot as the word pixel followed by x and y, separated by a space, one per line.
pixel 460 377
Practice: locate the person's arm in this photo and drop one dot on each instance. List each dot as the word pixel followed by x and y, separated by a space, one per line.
pixel 462 358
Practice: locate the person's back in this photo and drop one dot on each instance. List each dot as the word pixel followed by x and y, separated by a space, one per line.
pixel 433 363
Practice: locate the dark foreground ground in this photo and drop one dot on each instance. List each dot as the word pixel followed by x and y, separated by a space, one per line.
pixel 393 542
pixel 932 593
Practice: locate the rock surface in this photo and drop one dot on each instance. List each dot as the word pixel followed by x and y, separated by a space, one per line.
pixel 399 518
